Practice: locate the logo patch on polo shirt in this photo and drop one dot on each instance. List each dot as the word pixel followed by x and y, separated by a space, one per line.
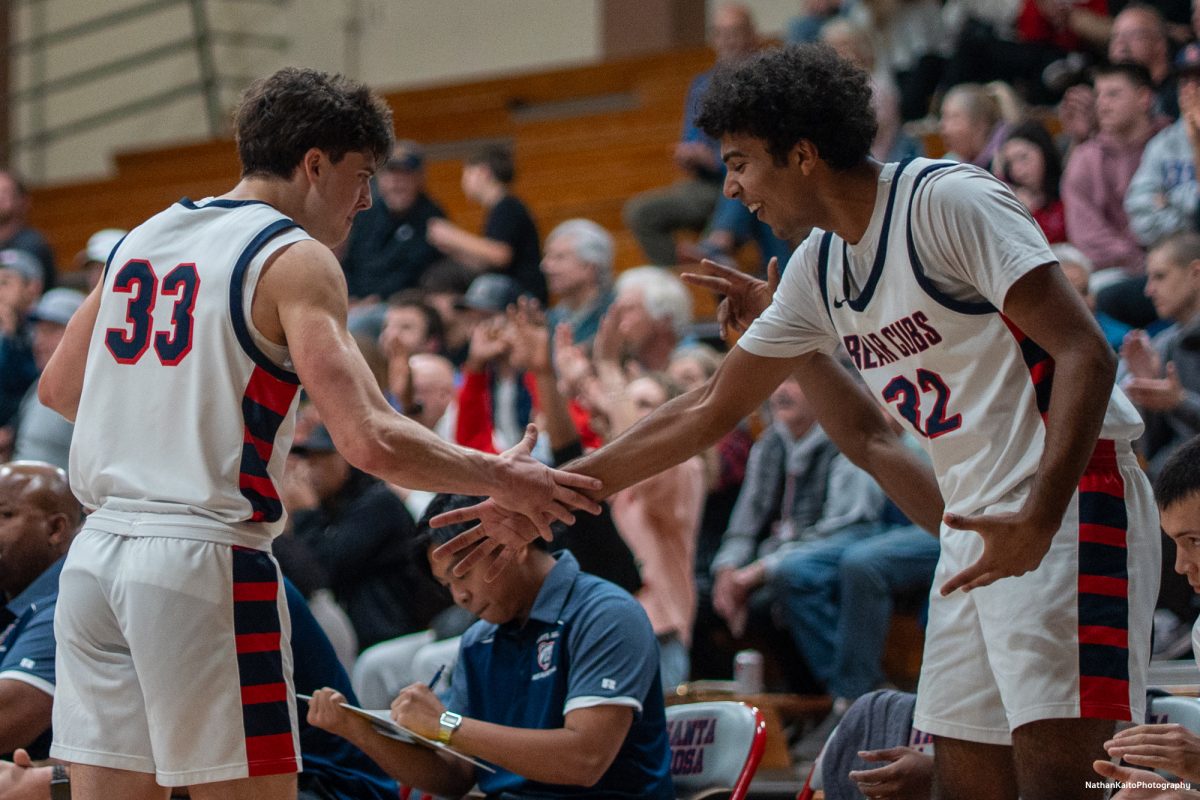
pixel 545 655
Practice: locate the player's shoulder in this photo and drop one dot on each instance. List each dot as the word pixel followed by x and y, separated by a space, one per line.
pixel 949 185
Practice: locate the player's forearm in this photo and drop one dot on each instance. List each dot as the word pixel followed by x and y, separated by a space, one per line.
pixel 675 432
pixel 1083 381
pixel 907 480
pixel 561 756
pixel 407 454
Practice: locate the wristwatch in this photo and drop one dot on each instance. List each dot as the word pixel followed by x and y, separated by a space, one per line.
pixel 448 723
pixel 60 783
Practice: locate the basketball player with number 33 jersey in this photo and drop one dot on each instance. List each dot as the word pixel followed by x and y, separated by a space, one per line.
pixel 182 372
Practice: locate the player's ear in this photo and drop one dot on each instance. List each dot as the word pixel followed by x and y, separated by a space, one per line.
pixel 805 155
pixel 312 162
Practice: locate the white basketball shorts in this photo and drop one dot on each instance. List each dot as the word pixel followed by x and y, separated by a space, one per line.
pixel 1070 639
pixel 173 656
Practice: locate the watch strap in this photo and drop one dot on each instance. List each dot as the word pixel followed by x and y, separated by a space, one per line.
pixel 60 783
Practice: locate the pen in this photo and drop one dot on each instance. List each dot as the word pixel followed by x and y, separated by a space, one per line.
pixel 436 677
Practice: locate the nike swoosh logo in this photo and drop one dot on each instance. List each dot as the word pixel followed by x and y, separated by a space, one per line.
pixel 838 303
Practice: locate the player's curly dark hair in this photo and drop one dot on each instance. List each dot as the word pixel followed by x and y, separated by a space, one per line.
pixel 784 95
pixel 284 115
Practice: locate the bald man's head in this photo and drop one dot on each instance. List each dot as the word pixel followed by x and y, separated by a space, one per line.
pixel 433 387
pixel 38 519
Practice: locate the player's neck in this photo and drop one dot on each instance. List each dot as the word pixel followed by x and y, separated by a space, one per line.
pixel 275 192
pixel 849 199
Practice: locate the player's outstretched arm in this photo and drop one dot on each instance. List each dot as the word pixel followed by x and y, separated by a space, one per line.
pixel 857 425
pixel 301 300
pixel 1047 310
pixel 61 383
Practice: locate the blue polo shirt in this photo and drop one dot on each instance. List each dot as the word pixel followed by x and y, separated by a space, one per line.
pixel 586 643
pixel 27 643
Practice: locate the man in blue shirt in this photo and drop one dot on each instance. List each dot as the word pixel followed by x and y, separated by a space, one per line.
pixel 557 685
pixel 38 518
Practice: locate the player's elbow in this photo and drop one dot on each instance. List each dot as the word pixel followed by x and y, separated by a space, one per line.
pixel 587 767
pixel 54 396
pixel 362 448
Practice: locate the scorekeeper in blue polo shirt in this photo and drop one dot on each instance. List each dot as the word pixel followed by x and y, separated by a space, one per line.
pixel 586 643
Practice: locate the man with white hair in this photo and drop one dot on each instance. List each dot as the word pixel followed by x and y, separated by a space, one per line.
pixel 653 311
pixel 577 263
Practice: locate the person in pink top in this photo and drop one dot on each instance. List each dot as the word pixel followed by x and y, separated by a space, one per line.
pixel 1100 169
pixel 659 519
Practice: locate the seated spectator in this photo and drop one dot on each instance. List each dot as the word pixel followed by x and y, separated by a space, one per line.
pixel 971 125
pixel 20 287
pixel 1139 35
pixel 652 313
pixel 387 250
pixel 581 711
pixel 509 243
pixel 362 534
pixel 659 518
pixel 1171 748
pixel 410 327
pixel 1029 163
pixel 41 433
pixel 1162 375
pixel 333 769
pixel 878 727
pixel 15 233
pixel 687 204
pixel 1136 37
pixel 1161 199
pixel 578 267
pixel 39 517
pixel 1099 170
pixel 1078 270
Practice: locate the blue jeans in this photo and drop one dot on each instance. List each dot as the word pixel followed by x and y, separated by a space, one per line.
pixel 805 585
pixel 674 663
pixel 899 561
pixel 837 596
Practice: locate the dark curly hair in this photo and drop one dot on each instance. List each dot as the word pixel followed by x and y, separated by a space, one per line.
pixel 782 96
pixel 282 116
pixel 1180 476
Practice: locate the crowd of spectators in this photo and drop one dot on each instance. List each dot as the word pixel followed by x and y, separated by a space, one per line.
pixel 1089 111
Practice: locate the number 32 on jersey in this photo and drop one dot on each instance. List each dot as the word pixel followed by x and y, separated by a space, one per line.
pixel 907 396
pixel 138 279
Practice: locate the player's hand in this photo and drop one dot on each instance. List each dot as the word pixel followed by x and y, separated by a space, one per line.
pixel 746 297
pixel 1013 544
pixel 1113 772
pixel 530 488
pixel 729 600
pixel 1172 748
pixel 418 709
pixel 497 538
pixel 908 773
pixel 325 711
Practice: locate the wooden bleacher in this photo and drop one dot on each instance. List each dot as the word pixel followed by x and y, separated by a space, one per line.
pixel 585 139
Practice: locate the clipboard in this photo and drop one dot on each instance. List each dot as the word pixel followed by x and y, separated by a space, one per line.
pixel 381 720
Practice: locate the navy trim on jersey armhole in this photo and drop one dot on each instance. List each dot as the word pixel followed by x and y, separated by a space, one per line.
pixel 954 304
pixel 111 253
pixel 823 271
pixel 189 204
pixel 237 307
pixel 864 297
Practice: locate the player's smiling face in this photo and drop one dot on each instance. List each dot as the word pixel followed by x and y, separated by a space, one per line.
pixel 773 192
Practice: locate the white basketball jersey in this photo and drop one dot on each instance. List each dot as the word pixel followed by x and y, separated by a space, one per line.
pixel 182 413
pixel 971 387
